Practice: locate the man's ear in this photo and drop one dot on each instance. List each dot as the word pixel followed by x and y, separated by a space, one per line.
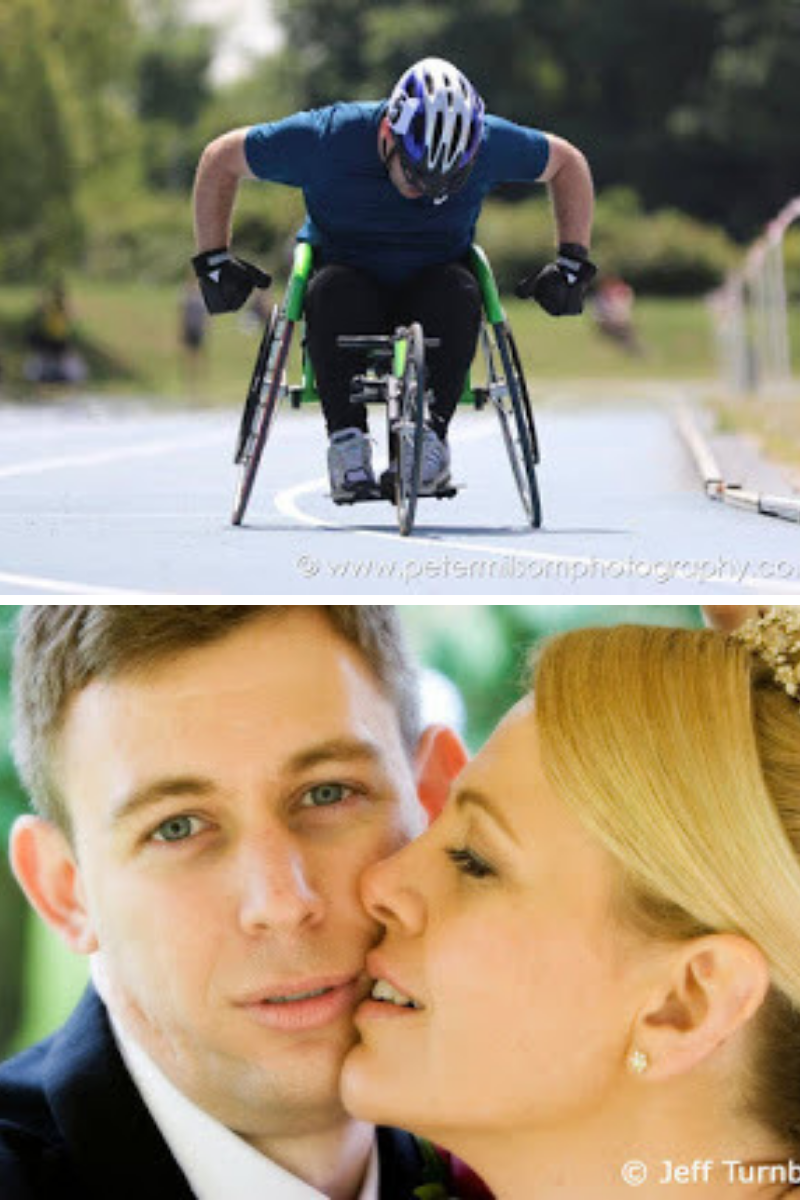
pixel 440 756
pixel 385 139
pixel 46 870
pixel 715 985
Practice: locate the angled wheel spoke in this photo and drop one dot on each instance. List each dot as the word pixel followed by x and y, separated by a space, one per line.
pixel 408 431
pixel 509 395
pixel 267 388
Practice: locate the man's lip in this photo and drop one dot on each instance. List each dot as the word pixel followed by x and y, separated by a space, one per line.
pixel 297 987
pixel 333 1000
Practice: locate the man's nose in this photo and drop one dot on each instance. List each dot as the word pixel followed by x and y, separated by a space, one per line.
pixel 275 886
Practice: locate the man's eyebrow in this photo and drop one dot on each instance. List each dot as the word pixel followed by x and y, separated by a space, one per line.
pixel 465 797
pixel 341 750
pixel 150 794
pixel 334 750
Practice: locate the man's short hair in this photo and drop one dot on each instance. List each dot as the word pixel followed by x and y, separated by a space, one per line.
pixel 61 648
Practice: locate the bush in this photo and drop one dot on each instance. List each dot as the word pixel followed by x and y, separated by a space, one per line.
pixel 791 250
pixel 518 238
pixel 150 236
pixel 663 253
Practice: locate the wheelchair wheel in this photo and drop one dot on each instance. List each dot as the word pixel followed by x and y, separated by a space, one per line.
pixel 267 385
pixel 509 394
pixel 256 381
pixel 407 431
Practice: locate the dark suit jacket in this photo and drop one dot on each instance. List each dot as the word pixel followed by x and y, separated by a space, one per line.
pixel 74 1127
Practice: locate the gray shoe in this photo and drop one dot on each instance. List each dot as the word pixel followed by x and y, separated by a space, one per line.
pixel 434 471
pixel 350 466
pixel 435 468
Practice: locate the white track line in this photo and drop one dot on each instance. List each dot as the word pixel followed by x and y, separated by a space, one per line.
pixel 286 502
pixel 99 457
pixel 95 458
pixel 63 586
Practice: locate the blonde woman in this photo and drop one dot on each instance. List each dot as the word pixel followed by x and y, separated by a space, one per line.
pixel 590 975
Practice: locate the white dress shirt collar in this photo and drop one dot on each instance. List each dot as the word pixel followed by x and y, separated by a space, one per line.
pixel 217 1163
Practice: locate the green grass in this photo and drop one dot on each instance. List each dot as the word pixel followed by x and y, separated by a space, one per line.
pixel 675 336
pixel 129 334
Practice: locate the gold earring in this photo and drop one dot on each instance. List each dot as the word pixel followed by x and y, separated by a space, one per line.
pixel 638 1062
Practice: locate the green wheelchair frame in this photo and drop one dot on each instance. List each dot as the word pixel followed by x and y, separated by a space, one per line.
pixel 398 378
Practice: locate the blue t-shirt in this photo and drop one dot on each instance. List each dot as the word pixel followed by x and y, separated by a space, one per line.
pixel 355 214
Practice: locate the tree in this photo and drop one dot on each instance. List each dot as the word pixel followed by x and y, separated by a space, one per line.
pixel 688 102
pixel 742 118
pixel 172 90
pixel 61 122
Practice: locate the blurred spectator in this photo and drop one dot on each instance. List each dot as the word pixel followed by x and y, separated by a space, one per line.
pixel 53 357
pixel 193 325
pixel 612 310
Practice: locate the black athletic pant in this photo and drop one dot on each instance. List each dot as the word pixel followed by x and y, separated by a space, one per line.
pixel 446 300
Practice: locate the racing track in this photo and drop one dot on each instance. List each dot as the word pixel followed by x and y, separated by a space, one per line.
pixel 98 500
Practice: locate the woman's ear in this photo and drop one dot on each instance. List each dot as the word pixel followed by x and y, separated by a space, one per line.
pixel 46 870
pixel 729 617
pixel 440 756
pixel 714 986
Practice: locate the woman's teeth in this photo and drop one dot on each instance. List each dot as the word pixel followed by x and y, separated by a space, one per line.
pixel 381 990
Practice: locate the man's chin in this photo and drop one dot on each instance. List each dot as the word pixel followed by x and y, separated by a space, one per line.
pixel 280 1098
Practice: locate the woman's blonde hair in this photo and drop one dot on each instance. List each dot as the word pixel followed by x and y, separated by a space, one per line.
pixel 680 751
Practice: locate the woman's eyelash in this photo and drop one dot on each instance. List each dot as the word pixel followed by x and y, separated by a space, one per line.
pixel 469 863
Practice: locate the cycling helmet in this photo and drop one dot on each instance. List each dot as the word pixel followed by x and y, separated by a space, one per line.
pixel 436 117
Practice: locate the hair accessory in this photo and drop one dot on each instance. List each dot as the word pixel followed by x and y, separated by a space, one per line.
pixel 775 638
pixel 638 1062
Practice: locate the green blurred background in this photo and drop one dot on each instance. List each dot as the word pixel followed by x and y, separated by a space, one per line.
pixel 480 648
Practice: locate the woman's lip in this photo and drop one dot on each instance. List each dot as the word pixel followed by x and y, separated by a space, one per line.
pixel 337 1000
pixel 381 1010
pixel 377 970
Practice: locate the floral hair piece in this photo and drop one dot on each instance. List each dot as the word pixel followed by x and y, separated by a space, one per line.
pixel 775 638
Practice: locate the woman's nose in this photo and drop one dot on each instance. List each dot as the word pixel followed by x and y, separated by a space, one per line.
pixel 391 892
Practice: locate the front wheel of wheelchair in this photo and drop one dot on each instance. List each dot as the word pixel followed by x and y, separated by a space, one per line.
pixel 267 385
pixel 509 393
pixel 407 431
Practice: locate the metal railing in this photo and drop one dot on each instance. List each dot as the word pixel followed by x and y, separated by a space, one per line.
pixel 751 316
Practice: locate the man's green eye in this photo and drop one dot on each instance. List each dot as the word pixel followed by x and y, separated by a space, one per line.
pixel 325 794
pixel 176 829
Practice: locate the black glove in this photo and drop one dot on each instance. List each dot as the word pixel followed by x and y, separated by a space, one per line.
pixel 225 281
pixel 561 287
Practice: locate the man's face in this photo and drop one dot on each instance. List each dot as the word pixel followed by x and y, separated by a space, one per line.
pixel 225 803
pixel 405 186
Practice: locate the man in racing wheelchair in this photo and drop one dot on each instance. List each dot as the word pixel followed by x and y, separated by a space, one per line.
pixel 393 191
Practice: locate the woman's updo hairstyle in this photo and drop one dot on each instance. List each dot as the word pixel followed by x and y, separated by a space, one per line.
pixel 680 750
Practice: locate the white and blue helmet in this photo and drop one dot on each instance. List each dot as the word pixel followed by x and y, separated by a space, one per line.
pixel 436 117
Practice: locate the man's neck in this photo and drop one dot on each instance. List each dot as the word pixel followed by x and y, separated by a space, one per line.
pixel 334 1161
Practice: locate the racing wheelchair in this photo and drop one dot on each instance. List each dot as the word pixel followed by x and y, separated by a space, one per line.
pixel 396 378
